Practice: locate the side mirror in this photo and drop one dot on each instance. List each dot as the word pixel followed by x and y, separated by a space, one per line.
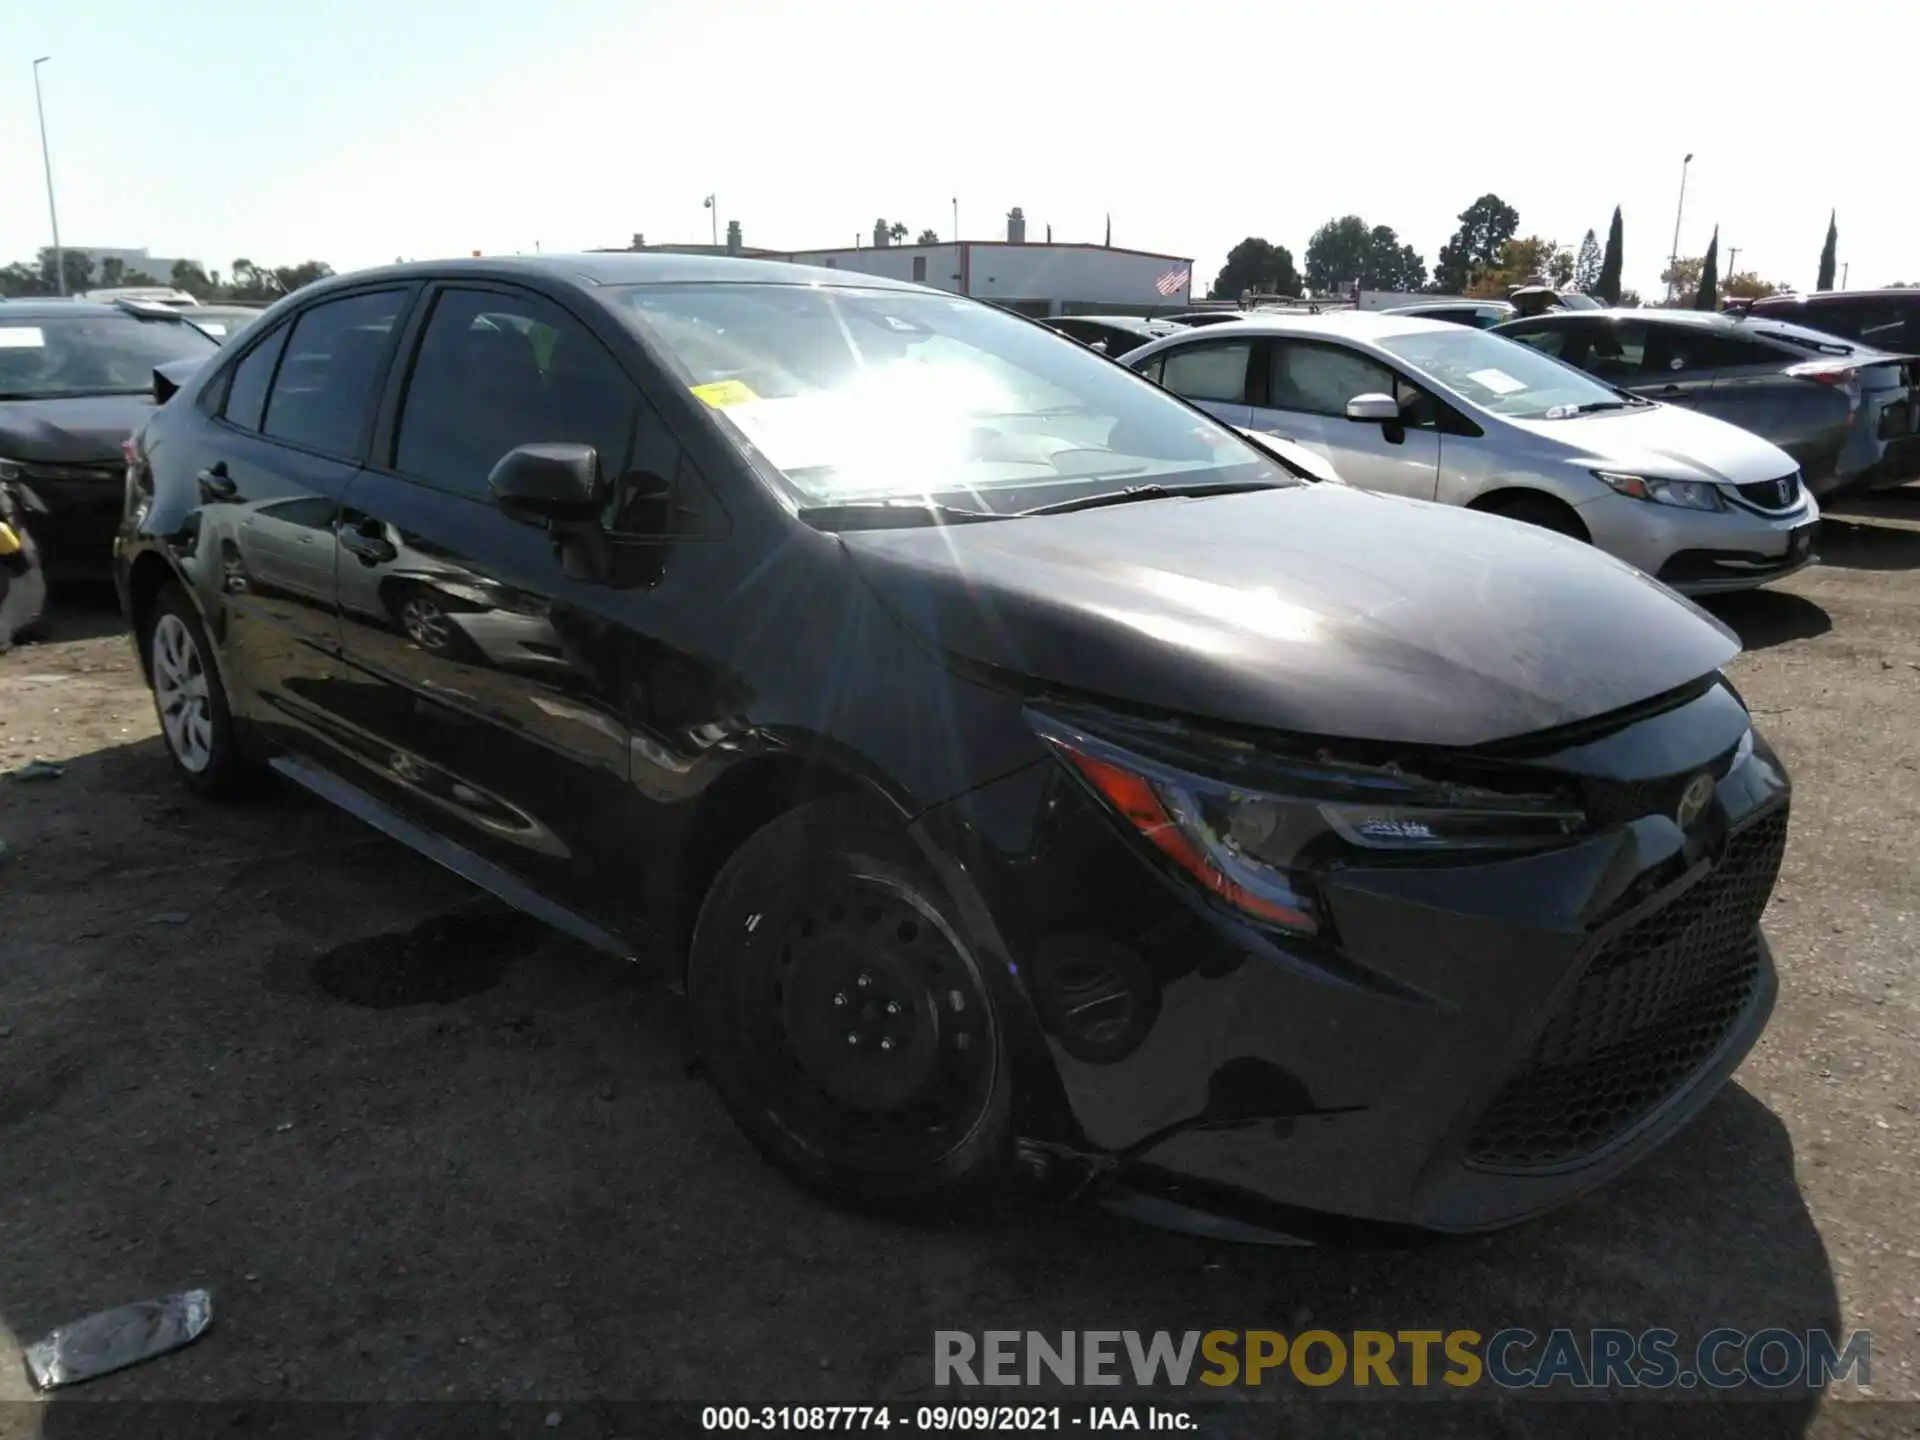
pixel 538 483
pixel 1373 409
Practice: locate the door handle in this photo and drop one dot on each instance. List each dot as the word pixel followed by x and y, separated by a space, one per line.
pixel 215 483
pixel 371 549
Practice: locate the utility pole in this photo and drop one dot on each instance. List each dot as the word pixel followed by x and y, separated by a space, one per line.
pixel 1843 274
pixel 956 219
pixel 1733 260
pixel 1673 258
pixel 46 159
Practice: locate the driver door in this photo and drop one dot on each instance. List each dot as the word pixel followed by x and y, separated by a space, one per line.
pixel 1307 386
pixel 1212 373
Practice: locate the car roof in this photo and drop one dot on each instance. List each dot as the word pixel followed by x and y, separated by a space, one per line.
pixel 627 268
pixel 1427 307
pixel 1844 297
pixel 1129 322
pixel 51 308
pixel 1362 324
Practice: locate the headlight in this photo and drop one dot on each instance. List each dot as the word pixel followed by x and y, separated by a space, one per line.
pixel 1686 494
pixel 1264 848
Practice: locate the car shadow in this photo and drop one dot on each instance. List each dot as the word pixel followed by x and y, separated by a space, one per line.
pixel 518 1190
pixel 79 610
pixel 1762 618
pixel 1850 538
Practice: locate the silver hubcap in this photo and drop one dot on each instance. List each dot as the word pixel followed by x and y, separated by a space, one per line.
pixel 426 624
pixel 180 689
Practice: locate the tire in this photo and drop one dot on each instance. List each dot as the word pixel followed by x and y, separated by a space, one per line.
pixel 196 723
pixel 1545 512
pixel 844 1021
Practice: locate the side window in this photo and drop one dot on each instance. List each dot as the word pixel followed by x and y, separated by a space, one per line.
pixel 1153 368
pixel 324 391
pixel 1547 342
pixel 1216 372
pixel 1617 353
pixel 1321 379
pixel 495 371
pixel 247 385
pixel 1725 353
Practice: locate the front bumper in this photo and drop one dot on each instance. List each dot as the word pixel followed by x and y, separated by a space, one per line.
pixel 1484 1043
pixel 1702 552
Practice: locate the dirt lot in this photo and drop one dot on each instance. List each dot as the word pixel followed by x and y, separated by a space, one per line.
pixel 517 1190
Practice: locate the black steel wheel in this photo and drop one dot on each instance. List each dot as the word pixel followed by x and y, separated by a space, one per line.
pixel 842 1016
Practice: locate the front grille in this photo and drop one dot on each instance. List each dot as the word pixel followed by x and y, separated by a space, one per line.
pixel 1781 494
pixel 114 471
pixel 1652 1006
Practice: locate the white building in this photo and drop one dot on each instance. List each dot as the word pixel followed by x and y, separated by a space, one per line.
pixel 1033 277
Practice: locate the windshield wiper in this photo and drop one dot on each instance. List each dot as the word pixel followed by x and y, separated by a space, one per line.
pixel 1593 405
pixel 1147 492
pixel 885 514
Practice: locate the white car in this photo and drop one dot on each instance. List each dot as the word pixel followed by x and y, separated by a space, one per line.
pixel 1444 412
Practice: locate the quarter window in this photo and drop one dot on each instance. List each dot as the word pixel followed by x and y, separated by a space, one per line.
pixel 324 392
pixel 247 388
pixel 1216 372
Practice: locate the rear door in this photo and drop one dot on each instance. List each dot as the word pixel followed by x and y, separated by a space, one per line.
pixel 1306 385
pixel 289 422
pixel 1212 372
pixel 1751 389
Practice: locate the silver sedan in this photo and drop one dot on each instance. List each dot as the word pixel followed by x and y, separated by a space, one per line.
pixel 1440 412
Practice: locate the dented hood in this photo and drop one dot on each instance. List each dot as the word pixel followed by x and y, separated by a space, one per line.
pixel 1317 610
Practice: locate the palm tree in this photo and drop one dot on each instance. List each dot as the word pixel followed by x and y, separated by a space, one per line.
pixel 896 232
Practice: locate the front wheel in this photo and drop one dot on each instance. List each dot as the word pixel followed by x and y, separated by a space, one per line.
pixel 844 1020
pixel 195 720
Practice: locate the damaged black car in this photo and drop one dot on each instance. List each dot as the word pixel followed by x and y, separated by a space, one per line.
pixel 1026 775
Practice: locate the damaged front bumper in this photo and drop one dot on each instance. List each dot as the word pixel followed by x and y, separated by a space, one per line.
pixel 1484 1041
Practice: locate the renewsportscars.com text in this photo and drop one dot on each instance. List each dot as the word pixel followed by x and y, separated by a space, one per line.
pixel 1513 1359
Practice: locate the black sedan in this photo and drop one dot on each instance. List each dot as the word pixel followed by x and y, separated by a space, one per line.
pixel 1841 409
pixel 75 379
pixel 1026 773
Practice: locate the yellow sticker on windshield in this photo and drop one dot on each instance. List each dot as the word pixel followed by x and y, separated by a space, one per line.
pixel 722 393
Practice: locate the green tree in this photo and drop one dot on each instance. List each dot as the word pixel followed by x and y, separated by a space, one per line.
pixel 1586 265
pixel 77 264
pixel 20 278
pixel 191 278
pixel 250 282
pixel 1609 286
pixel 1485 226
pixel 1531 261
pixel 928 237
pixel 1346 252
pixel 1682 281
pixel 1257 265
pixel 1707 296
pixel 113 272
pixel 1827 253
pixel 289 278
pixel 1745 285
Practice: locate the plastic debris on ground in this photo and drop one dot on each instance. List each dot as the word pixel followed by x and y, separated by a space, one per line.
pixel 114 1339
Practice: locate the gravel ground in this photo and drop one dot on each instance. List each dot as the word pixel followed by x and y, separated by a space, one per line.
pixel 521 1191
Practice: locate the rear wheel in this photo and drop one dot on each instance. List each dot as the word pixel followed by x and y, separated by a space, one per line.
pixel 844 1021
pixel 195 720
pixel 1544 511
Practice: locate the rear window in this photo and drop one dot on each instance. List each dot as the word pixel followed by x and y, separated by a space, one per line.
pixel 44 357
pixel 1818 342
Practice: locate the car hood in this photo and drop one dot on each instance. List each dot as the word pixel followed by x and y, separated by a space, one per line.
pixel 1667 442
pixel 71 431
pixel 1317 610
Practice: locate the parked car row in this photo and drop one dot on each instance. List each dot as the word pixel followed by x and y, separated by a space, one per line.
pixel 1026 773
pixel 1436 411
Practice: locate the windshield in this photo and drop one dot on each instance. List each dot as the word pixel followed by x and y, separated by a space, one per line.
pixel 45 357
pixel 869 396
pixel 1499 375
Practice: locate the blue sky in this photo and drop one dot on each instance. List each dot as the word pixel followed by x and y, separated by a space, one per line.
pixel 355 131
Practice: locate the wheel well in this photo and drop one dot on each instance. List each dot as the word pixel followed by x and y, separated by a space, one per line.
pixel 1519 497
pixel 739 804
pixel 147 579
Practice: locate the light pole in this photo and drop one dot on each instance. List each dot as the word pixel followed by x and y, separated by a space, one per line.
pixel 1681 209
pixel 1843 274
pixel 46 159
pixel 715 208
pixel 956 219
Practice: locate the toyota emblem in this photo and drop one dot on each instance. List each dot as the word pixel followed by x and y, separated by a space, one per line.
pixel 1693 800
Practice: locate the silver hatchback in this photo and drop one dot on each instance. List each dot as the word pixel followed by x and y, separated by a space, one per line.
pixel 1441 412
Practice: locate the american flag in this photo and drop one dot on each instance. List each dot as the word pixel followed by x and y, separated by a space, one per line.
pixel 1173 282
